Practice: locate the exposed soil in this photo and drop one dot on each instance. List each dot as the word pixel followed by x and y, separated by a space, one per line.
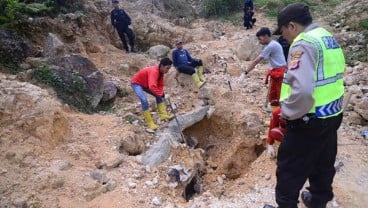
pixel 56 157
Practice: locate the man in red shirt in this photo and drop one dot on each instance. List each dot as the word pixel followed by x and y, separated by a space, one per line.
pixel 151 80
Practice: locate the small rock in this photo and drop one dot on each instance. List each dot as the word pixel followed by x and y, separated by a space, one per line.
pixel 132 185
pixel 60 165
pixel 100 164
pixel 114 163
pixel 156 201
pixel 124 67
pixel 20 203
pixel 10 155
pixel 173 185
pixel 220 180
pixel 334 203
pixel 338 165
pixel 150 130
pixel 267 177
pixel 111 185
pixel 150 184
pixel 58 183
pixel 99 176
pixel 3 171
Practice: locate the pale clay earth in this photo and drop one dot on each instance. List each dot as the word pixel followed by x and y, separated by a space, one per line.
pixel 50 153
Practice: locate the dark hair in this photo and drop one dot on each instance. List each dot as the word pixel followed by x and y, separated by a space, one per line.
pixel 303 20
pixel 165 62
pixel 263 31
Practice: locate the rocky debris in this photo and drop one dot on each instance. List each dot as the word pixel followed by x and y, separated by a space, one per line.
pixel 171 136
pixel 53 46
pixel 20 203
pixel 124 67
pixel 252 122
pixel 78 81
pixel 60 165
pixel 132 145
pixel 156 201
pixel 132 185
pixel 158 51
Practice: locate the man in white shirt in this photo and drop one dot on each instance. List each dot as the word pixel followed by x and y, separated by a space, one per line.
pixel 274 54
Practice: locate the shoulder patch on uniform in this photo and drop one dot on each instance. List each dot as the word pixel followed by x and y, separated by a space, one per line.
pixel 296 54
pixel 295 60
pixel 294 64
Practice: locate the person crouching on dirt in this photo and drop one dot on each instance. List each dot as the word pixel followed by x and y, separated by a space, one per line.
pixel 120 20
pixel 276 131
pixel 151 81
pixel 184 63
pixel 273 52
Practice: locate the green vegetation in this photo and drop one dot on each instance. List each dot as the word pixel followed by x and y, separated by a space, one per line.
pixel 15 12
pixel 222 7
pixel 363 23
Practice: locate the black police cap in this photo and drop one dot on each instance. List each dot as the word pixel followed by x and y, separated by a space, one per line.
pixel 292 12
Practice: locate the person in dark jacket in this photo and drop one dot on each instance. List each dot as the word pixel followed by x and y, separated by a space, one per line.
pixel 121 21
pixel 285 46
pixel 248 19
pixel 248 4
pixel 248 8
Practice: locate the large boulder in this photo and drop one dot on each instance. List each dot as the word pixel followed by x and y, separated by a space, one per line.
pixel 13 49
pixel 77 81
pixel 27 109
pixel 247 49
pixel 158 51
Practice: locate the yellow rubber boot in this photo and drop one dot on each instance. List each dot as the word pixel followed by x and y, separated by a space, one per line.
pixel 163 113
pixel 198 82
pixel 200 73
pixel 149 120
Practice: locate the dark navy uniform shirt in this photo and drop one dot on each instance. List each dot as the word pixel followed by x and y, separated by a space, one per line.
pixel 119 18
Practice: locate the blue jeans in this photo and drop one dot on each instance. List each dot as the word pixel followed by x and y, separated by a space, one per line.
pixel 139 91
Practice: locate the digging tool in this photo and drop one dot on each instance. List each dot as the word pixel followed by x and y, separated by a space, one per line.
pixel 191 142
pixel 224 65
pixel 346 100
pixel 265 104
pixel 177 121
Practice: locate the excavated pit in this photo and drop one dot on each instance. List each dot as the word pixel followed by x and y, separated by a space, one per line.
pixel 228 151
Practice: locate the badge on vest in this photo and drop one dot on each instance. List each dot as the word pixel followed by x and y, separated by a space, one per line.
pixel 295 60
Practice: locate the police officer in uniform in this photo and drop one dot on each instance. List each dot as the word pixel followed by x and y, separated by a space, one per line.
pixel 121 21
pixel 311 104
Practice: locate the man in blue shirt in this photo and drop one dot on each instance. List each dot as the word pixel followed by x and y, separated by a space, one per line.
pixel 121 21
pixel 184 63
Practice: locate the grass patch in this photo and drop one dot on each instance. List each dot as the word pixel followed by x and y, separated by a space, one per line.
pixel 272 7
pixel 222 8
pixel 363 23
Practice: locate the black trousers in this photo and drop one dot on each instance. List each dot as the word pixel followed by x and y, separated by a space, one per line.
pixel 308 151
pixel 189 68
pixel 129 32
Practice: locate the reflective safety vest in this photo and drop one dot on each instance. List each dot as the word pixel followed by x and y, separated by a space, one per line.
pixel 328 76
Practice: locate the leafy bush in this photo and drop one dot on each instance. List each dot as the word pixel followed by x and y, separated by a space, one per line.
pixel 9 13
pixel 14 12
pixel 272 7
pixel 222 7
pixel 363 23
